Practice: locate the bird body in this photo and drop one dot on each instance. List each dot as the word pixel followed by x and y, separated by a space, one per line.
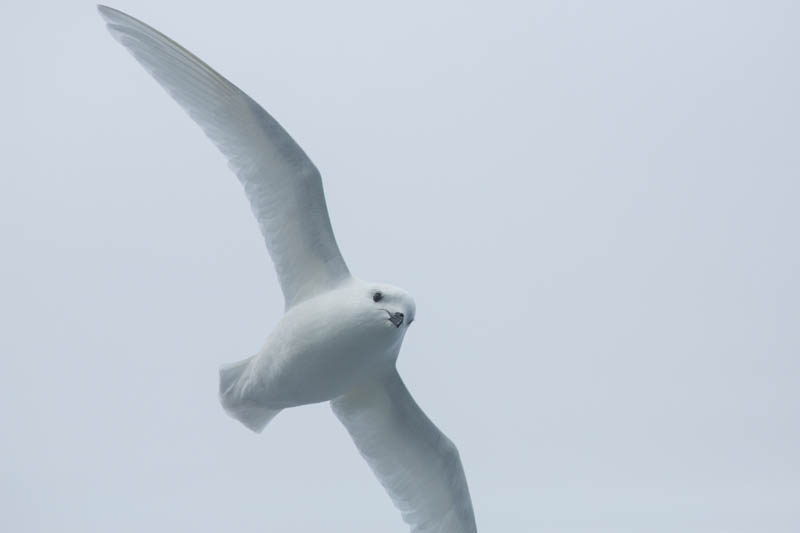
pixel 320 350
pixel 340 337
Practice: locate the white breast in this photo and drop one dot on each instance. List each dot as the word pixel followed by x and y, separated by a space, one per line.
pixel 321 349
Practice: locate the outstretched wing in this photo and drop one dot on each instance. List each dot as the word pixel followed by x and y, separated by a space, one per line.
pixel 415 462
pixel 283 185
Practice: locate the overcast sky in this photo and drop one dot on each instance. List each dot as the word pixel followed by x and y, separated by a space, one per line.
pixel 594 204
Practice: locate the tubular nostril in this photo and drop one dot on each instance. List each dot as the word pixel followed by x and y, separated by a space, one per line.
pixel 396 319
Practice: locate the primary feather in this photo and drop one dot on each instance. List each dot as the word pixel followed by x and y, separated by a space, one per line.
pixel 282 184
pixel 416 463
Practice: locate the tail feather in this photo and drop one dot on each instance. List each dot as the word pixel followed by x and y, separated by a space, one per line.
pixel 232 388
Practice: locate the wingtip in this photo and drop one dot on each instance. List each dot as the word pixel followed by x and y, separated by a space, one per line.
pixel 104 10
pixel 108 13
pixel 112 18
pixel 111 15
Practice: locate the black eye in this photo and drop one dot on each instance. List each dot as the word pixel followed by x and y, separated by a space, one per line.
pixel 377 297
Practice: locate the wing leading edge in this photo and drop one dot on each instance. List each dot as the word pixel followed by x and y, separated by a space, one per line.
pixel 282 184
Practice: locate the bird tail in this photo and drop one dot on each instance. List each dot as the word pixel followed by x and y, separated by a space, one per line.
pixel 232 386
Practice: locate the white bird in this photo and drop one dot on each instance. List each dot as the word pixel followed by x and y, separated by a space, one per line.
pixel 339 338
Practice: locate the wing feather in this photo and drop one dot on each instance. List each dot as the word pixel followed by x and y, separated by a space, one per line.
pixel 282 184
pixel 416 463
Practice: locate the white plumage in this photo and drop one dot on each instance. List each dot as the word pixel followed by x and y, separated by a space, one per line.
pixel 340 337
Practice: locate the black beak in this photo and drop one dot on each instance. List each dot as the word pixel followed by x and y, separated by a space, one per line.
pixel 397 319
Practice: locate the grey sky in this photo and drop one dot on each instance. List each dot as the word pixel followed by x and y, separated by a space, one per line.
pixel 594 204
